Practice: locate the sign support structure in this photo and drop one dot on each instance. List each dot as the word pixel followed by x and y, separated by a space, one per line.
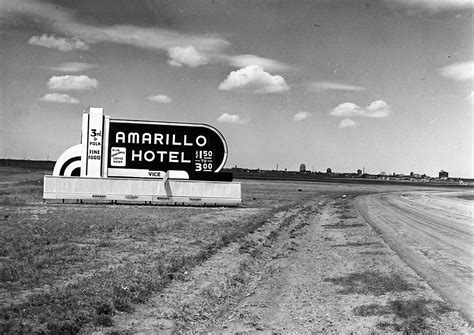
pixel 144 161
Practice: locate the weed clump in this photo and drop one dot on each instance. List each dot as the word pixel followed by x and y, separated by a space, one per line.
pixel 103 320
pixel 15 327
pixel 370 282
pixel 123 299
pixel 65 328
pixel 409 316
pixel 104 309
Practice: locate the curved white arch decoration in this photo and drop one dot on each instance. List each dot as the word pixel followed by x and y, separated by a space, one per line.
pixel 71 167
pixel 68 161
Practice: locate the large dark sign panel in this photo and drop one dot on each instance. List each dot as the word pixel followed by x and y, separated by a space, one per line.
pixel 149 149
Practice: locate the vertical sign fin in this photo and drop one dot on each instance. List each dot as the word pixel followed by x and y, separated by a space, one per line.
pixel 94 142
pixel 85 130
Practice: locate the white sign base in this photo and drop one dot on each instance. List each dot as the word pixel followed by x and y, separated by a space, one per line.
pixel 165 192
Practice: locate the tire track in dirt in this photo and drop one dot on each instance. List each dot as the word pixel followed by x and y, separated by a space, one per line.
pixel 198 300
pixel 296 293
pixel 437 245
pixel 309 269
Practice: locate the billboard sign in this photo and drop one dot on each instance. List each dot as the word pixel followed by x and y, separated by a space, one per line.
pixel 149 149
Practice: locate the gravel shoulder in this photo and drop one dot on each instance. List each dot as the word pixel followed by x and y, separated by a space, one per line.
pixel 317 267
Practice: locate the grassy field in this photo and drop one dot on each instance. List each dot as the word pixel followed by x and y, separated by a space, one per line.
pixel 65 266
pixel 72 268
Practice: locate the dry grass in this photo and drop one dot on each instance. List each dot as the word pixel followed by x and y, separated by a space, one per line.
pixel 408 316
pixel 63 267
pixel 467 197
pixel 371 282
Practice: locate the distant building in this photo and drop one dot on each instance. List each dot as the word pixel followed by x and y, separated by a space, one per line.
pixel 443 174
pixel 302 167
pixel 328 170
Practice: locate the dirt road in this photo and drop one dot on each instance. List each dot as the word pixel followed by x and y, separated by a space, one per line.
pixel 316 268
pixel 433 233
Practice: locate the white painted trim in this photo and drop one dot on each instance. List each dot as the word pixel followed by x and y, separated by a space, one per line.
pixel 136 173
pixel 105 146
pixel 85 127
pixel 74 151
pixel 71 167
pixel 95 143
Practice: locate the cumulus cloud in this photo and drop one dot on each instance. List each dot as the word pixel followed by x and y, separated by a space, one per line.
pixel 459 71
pixel 326 85
pixel 59 98
pixel 189 56
pixel 347 109
pixel 68 82
pixel 252 79
pixel 300 116
pixel 72 67
pixel 377 109
pixel 265 63
pixel 61 44
pixel 230 118
pixel 160 98
pixel 348 123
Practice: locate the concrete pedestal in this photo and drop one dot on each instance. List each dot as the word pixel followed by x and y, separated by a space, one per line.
pixel 166 192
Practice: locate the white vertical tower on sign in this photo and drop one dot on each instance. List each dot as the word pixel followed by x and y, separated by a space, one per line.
pixel 92 143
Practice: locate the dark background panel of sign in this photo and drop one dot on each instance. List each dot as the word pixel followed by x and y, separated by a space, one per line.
pixel 188 153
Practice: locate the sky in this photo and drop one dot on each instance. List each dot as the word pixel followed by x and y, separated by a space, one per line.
pixel 374 85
